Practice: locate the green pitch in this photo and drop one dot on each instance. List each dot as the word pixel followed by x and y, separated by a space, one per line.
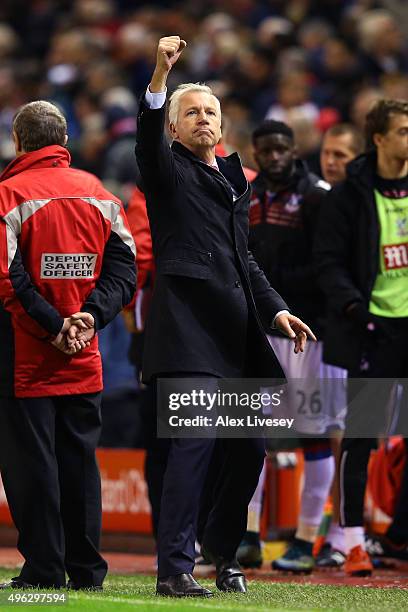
pixel 126 593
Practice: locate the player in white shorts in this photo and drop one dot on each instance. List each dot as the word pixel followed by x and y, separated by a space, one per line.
pixel 317 405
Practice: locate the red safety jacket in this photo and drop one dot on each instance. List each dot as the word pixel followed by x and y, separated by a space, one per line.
pixel 65 246
pixel 146 270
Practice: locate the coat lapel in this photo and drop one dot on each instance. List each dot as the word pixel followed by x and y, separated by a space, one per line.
pixel 230 173
pixel 231 168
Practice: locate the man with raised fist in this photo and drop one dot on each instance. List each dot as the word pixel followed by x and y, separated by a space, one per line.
pixel 205 316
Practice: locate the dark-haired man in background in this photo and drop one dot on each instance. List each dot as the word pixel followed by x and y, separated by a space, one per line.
pixel 284 208
pixel 341 143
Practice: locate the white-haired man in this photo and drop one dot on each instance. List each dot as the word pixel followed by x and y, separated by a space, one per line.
pixel 203 320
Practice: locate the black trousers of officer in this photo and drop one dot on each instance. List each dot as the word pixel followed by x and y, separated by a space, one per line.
pixel 385 357
pixel 188 464
pixel 52 483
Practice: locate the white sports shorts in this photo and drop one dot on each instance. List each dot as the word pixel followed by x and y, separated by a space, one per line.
pixel 316 396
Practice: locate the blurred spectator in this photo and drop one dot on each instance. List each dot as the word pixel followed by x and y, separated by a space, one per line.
pixel 274 33
pixel 395 86
pixel 134 52
pixel 307 62
pixel 399 10
pixel 250 81
pixel 279 59
pixel 293 93
pixel 313 34
pixel 95 13
pixel 340 73
pixel 382 42
pixel 10 99
pixel 202 58
pixel 306 133
pixel 119 164
pixel 363 101
pixel 9 41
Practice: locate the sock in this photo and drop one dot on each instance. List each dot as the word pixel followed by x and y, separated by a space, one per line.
pixel 335 537
pixel 252 538
pixel 306 532
pixel 395 539
pixel 354 536
pixel 255 505
pixel 306 546
pixel 318 476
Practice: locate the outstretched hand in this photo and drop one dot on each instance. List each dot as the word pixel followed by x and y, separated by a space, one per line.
pixel 294 328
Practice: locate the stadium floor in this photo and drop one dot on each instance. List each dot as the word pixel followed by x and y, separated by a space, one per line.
pixel 394 576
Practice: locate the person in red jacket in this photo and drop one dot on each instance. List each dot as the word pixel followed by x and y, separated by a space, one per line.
pixel 136 312
pixel 65 246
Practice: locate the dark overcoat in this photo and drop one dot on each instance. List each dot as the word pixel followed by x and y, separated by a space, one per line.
pixel 347 259
pixel 210 294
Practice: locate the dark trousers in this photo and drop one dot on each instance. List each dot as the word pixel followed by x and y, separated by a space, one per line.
pixel 157 452
pixel 385 357
pixel 52 483
pixel 227 472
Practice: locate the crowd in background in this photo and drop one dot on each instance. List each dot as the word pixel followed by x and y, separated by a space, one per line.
pixel 310 63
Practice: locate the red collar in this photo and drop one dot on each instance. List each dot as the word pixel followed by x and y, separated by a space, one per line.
pixel 53 156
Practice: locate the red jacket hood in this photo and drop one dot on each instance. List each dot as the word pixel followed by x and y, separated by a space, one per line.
pixel 46 157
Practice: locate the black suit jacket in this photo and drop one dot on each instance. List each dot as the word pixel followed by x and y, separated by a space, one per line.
pixel 209 295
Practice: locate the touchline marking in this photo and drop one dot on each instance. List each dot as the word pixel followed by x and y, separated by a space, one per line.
pixel 165 601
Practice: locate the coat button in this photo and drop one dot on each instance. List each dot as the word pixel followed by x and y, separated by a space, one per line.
pixel 237 284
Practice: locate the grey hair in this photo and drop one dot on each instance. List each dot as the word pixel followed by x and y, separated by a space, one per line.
pixel 174 102
pixel 370 26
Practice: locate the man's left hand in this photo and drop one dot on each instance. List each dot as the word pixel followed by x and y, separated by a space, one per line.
pixel 75 334
pixel 295 329
pixel 60 341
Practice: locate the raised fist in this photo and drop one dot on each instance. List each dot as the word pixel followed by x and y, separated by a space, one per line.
pixel 169 50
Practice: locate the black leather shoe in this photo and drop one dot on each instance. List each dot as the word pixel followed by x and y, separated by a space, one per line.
pixel 71 586
pixel 16 583
pixel 182 585
pixel 229 574
pixel 230 577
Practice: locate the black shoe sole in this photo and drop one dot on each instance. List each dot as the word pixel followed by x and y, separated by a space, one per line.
pixel 230 590
pixel 360 574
